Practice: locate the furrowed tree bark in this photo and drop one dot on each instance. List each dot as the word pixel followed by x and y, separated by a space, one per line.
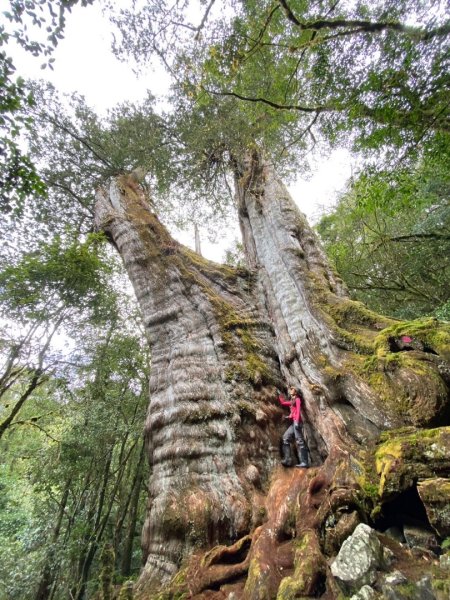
pixel 221 340
pixel 212 362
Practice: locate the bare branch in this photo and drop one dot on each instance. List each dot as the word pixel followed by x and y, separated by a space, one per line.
pixel 203 21
pixel 419 236
pixel 307 109
pixel 366 26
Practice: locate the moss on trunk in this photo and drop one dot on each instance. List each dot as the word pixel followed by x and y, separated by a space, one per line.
pixel 375 395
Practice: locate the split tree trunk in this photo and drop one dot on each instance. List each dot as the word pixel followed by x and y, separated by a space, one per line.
pixel 222 340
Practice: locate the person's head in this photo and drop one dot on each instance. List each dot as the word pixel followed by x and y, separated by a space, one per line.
pixel 292 392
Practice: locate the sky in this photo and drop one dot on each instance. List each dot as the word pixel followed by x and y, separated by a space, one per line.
pixel 84 63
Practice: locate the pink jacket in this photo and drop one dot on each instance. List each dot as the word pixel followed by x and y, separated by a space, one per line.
pixel 296 405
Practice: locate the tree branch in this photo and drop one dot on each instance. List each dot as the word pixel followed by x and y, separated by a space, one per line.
pixel 418 236
pixel 33 423
pixel 203 21
pixel 366 26
pixel 307 109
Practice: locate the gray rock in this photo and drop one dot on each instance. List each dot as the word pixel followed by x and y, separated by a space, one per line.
pixel 444 561
pixel 388 557
pixel 358 560
pixel 420 537
pixel 395 578
pixel 407 590
pixel 424 588
pixel 394 593
pixel 365 593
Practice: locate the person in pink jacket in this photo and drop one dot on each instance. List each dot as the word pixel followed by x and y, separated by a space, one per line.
pixel 294 431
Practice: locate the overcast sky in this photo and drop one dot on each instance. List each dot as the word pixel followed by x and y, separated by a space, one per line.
pixel 84 63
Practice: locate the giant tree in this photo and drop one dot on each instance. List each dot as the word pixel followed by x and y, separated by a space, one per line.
pixel 222 339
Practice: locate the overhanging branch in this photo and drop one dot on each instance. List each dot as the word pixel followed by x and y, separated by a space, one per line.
pixel 366 26
pixel 299 107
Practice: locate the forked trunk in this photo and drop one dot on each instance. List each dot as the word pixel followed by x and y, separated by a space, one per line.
pixel 222 340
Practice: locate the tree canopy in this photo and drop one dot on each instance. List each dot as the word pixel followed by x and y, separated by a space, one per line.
pixel 389 238
pixel 36 26
pixel 376 71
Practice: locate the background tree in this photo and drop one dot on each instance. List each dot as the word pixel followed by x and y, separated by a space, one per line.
pixel 35 26
pixel 389 238
pixel 79 471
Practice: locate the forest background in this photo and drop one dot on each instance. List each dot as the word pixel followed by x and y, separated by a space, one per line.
pixel 74 378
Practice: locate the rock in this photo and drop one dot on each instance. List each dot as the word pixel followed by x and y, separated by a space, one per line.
pixel 421 537
pixel 424 588
pixel 407 590
pixel 435 495
pixel 365 593
pixel 395 533
pixel 388 557
pixel 406 457
pixel 444 562
pixel 358 560
pixel 396 593
pixel 395 578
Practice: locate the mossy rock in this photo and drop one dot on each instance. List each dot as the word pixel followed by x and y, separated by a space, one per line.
pixel 410 454
pixel 434 336
pixel 435 495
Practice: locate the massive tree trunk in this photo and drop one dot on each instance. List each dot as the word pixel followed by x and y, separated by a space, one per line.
pixel 222 340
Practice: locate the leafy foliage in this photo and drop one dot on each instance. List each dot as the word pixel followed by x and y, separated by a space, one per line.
pixel 46 20
pixel 389 238
pixel 332 68
pixel 78 473
pixel 61 273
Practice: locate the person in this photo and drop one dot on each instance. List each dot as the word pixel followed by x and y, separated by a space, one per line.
pixel 294 431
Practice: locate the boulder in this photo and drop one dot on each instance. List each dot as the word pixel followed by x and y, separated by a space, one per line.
pixel 410 455
pixel 365 593
pixel 435 495
pixel 399 588
pixel 424 588
pixel 395 578
pixel 359 558
pixel 420 537
pixel 444 562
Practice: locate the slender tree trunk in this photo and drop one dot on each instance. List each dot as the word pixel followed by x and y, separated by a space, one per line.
pixel 127 550
pixel 222 339
pixel 48 574
pixel 198 247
